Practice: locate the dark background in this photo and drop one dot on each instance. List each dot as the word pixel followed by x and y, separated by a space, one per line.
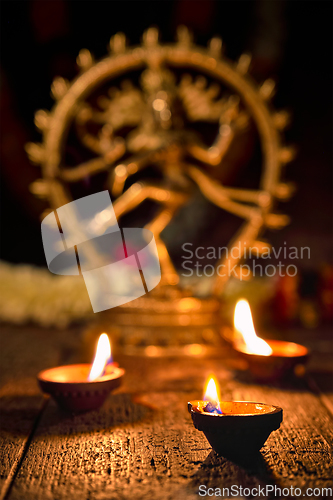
pixel 290 40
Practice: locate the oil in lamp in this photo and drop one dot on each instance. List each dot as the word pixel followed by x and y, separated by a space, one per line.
pixel 234 429
pixel 267 360
pixel 83 387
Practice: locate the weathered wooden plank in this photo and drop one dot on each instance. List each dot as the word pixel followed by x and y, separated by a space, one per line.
pixel 321 383
pixel 24 351
pixel 142 444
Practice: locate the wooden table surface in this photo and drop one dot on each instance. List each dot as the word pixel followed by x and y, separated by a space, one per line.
pixel 141 444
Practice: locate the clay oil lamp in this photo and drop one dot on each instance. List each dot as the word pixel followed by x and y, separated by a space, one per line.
pixel 267 360
pixel 234 429
pixel 83 387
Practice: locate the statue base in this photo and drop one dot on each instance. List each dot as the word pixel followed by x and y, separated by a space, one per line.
pixel 166 322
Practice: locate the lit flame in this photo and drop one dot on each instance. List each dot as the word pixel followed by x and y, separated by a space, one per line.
pixel 212 392
pixel 103 354
pixel 244 325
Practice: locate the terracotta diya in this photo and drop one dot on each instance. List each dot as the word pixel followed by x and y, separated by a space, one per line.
pixel 270 359
pixel 234 429
pixel 83 387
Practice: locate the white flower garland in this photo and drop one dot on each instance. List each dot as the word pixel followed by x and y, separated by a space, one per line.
pixel 30 293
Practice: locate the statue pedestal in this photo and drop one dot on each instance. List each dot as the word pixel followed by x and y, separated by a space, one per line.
pixel 167 321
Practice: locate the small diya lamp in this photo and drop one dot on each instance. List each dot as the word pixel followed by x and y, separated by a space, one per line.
pixel 83 387
pixel 234 429
pixel 270 359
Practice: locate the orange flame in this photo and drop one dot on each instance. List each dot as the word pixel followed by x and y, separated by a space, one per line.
pixel 212 392
pixel 103 354
pixel 244 325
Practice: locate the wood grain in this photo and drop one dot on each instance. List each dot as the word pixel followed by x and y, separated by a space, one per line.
pixel 142 443
pixel 24 352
